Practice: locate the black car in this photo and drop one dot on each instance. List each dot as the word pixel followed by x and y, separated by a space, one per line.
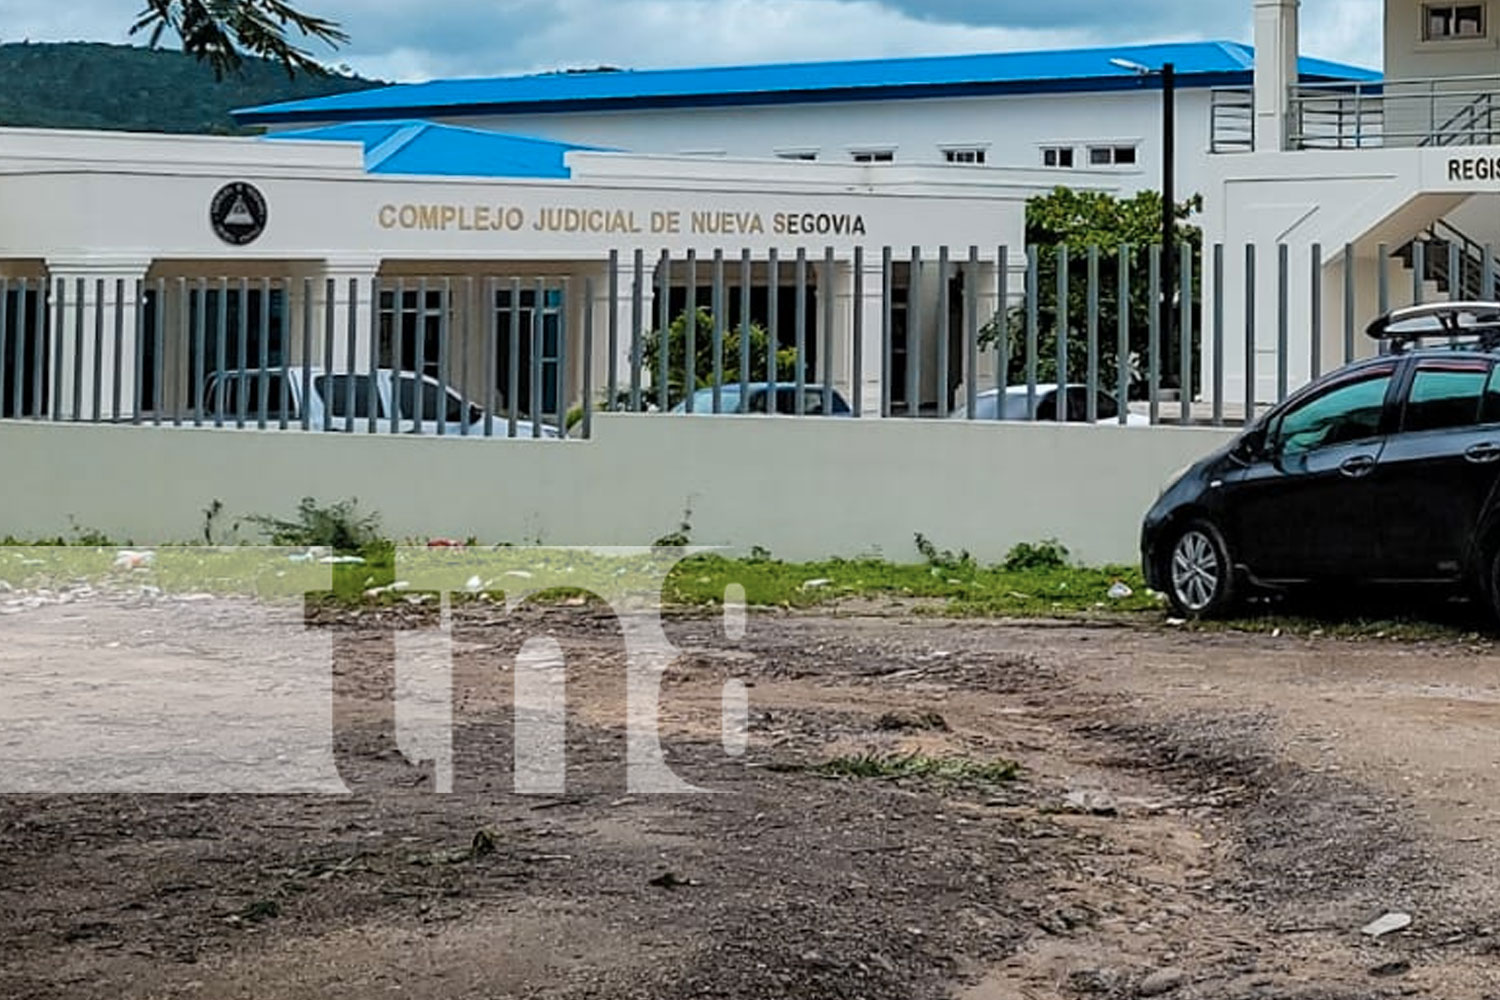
pixel 1384 471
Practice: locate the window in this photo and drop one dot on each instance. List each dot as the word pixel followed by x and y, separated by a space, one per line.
pixel 797 154
pixel 873 155
pixel 400 323
pixel 1445 21
pixel 1057 156
pixel 334 391
pixel 1111 156
pixel 1445 394
pixel 432 402
pixel 1348 412
pixel 973 155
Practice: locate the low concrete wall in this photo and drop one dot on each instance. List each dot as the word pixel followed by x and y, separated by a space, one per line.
pixel 801 488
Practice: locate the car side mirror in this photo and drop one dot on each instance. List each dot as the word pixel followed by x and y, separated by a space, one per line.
pixel 1251 447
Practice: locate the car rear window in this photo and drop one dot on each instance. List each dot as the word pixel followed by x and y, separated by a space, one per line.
pixel 1445 394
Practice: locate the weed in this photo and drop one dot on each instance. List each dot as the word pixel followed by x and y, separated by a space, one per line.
pixel 339 526
pixel 917 765
pixel 1046 554
pixel 943 559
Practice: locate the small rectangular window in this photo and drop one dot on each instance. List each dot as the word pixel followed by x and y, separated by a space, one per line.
pixel 797 154
pixel 873 156
pixel 1111 156
pixel 1448 21
pixel 963 154
pixel 1124 155
pixel 1057 156
pixel 1445 395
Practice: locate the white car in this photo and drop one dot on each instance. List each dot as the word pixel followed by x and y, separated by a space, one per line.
pixel 329 403
pixel 1044 406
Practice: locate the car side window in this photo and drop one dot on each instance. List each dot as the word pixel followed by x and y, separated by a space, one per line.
pixel 1489 407
pixel 334 391
pixel 1347 412
pixel 1445 394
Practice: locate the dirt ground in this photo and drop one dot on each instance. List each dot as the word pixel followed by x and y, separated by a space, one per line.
pixel 1197 815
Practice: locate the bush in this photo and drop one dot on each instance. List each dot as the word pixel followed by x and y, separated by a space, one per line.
pixel 1046 554
pixel 339 526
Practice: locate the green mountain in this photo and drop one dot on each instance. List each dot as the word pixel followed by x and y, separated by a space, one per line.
pixel 92 85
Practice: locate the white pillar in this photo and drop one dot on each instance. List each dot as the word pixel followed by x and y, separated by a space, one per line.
pixel 97 338
pixel 1275 71
pixel 360 305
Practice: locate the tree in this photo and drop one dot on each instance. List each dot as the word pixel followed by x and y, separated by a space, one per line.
pixel 223 32
pixel 1078 221
pixel 703 355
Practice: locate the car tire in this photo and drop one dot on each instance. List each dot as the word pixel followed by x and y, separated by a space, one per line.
pixel 1489 589
pixel 1197 572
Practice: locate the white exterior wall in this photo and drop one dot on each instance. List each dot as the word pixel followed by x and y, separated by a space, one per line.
pixel 1409 57
pixel 1012 129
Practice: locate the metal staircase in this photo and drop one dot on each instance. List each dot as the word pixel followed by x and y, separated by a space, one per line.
pixel 1454 264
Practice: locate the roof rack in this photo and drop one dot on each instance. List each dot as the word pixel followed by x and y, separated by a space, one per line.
pixel 1474 322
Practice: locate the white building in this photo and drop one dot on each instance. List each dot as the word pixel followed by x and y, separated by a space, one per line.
pixel 1360 173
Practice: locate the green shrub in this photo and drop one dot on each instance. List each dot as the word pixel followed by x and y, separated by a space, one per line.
pixel 1046 554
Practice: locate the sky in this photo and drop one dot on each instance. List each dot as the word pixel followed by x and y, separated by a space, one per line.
pixel 404 40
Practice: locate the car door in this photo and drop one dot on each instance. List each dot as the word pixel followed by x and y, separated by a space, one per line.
pixel 1439 468
pixel 1304 506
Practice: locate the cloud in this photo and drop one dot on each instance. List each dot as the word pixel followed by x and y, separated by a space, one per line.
pixel 416 39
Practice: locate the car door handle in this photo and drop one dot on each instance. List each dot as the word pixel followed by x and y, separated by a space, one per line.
pixel 1483 453
pixel 1359 465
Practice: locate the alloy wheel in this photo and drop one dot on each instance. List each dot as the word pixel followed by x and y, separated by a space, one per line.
pixel 1196 570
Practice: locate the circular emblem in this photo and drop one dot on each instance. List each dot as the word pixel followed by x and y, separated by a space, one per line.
pixel 238 213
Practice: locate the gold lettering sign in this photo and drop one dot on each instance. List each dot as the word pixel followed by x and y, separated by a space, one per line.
pixel 448 217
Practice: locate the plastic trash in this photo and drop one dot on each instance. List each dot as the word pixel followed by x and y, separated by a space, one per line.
pixel 1120 591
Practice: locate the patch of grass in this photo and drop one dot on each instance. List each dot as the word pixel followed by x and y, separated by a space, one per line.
pixel 894 766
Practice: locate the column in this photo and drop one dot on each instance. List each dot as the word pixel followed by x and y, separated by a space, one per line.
pixel 95 339
pixel 362 271
pixel 1275 71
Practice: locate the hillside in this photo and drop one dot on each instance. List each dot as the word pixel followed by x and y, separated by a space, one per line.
pixel 92 85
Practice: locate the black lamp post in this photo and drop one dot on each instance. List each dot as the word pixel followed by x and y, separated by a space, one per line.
pixel 1168 73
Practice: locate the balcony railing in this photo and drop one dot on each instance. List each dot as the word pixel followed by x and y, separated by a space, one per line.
pixel 1448 111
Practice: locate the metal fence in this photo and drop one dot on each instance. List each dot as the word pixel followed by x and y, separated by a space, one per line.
pixel 1039 333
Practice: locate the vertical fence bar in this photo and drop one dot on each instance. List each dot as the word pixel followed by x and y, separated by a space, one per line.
pixel 419 362
pixel 1033 322
pixel 1456 284
pixel 637 338
pixel 242 355
pixel 1349 301
pixel 307 352
pixel 80 318
pixel 887 323
pixel 158 358
pixel 1487 274
pixel 560 379
pixel 1153 350
pixel 117 365
pixel 351 352
pixel 98 358
pixel 1218 335
pixel 800 326
pixel 664 331
pixel 18 380
pixel 914 335
pixel 138 391
pixel 588 356
pixel 466 339
pixel 1091 401
pixel 1283 318
pixel 1185 333
pixel 398 351
pixel 971 334
pixel 718 331
pixel 612 378
pixel 1122 333
pixel 690 332
pixel 4 344
pixel 857 325
pixel 443 360
pixel 513 358
pixel 1418 270
pixel 1061 409
pixel 827 290
pixel 944 333
pixel 538 326
pixel 1383 279
pixel 1315 275
pixel 285 401
pixel 491 334
pixel 773 298
pixel 1250 359
pixel 372 387
pixel 57 348
pixel 1002 328
pixel 40 353
pixel 330 326
pixel 221 352
pixel 747 278
pixel 263 359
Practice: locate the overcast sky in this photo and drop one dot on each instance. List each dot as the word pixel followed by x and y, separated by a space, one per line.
pixel 421 39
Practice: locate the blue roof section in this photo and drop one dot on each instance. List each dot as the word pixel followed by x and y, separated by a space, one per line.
pixel 418 147
pixel 1198 64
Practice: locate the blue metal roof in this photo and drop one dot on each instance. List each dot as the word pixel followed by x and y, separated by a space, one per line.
pixel 1199 64
pixel 418 147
